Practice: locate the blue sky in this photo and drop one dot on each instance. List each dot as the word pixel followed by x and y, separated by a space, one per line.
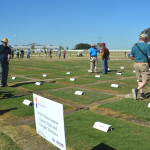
pixel 69 22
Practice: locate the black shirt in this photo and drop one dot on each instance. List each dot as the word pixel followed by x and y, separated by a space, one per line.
pixel 4 51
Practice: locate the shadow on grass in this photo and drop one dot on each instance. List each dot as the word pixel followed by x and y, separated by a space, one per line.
pixel 147 95
pixel 6 110
pixel 25 83
pixel 102 146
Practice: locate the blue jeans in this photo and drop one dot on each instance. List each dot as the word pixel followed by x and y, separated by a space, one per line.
pixel 104 66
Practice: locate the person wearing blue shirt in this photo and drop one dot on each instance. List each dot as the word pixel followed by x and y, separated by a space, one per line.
pixel 5 51
pixel 28 53
pixel 141 65
pixel 93 58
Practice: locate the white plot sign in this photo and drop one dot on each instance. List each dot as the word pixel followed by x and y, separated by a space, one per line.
pixel 49 118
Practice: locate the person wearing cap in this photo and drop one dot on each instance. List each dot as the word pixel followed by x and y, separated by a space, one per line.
pixel 140 53
pixel 5 51
pixel 104 57
pixel 93 58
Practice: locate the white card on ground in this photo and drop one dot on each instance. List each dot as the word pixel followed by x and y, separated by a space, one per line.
pixel 13 78
pixel 119 73
pixel 79 92
pixel 134 71
pixel 68 73
pixel 44 75
pixel 72 79
pixel 115 85
pixel 97 76
pixel 121 67
pixel 27 102
pixel 102 126
pixel 149 105
pixel 38 83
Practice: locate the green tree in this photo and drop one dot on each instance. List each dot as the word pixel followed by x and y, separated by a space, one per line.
pixel 32 47
pixel 82 46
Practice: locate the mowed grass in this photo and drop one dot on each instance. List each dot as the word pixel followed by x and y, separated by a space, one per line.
pixel 80 133
pixel 6 143
pixel 138 109
pixel 87 98
pixel 125 86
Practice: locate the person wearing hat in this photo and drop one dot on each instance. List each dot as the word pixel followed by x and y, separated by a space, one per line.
pixel 5 51
pixel 140 53
pixel 104 57
pixel 93 58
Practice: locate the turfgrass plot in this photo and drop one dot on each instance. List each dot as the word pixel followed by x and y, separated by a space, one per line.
pixel 80 133
pixel 137 109
pixel 89 97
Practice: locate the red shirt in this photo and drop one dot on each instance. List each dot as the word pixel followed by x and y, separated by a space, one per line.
pixel 105 53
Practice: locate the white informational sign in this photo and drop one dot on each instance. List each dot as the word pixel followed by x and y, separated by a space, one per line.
pixel 102 126
pixel 27 102
pixel 72 79
pixel 79 92
pixel 108 69
pixel 115 85
pixel 134 71
pixel 13 78
pixel 49 118
pixel 68 73
pixel 121 67
pixel 44 75
pixel 38 83
pixel 149 105
pixel 97 76
pixel 119 73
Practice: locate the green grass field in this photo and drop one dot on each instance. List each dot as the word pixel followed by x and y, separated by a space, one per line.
pixel 99 96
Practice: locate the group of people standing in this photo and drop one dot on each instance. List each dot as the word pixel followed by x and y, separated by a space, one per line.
pixel 104 58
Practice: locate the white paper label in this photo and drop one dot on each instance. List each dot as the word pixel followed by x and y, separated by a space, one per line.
pixel 102 126
pixel 118 73
pixel 72 79
pixel 97 76
pixel 115 85
pixel 27 102
pixel 13 78
pixel 79 92
pixel 68 73
pixel 38 83
pixel 44 75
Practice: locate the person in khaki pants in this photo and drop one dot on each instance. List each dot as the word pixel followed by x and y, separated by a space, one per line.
pixel 93 58
pixel 140 53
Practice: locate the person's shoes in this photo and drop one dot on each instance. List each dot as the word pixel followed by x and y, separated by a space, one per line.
pixel 135 93
pixel 143 96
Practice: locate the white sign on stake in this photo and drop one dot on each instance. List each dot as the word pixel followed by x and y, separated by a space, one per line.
pixel 49 119
pixel 72 79
pixel 27 102
pixel 13 78
pixel 68 73
pixel 121 67
pixel 79 92
pixel 149 105
pixel 38 83
pixel 44 75
pixel 115 85
pixel 102 126
pixel 97 76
